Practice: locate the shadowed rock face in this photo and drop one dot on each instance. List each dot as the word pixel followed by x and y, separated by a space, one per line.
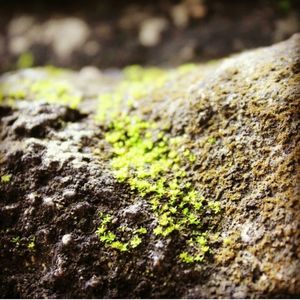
pixel 240 118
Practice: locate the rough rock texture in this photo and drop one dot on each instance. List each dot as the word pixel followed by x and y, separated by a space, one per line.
pixel 241 119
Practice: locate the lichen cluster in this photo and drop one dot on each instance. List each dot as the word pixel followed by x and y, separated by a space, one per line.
pixel 137 83
pixel 48 86
pixel 5 178
pixel 154 165
pixel 127 238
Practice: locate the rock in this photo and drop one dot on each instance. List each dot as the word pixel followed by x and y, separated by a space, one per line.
pixel 217 218
pixel 66 239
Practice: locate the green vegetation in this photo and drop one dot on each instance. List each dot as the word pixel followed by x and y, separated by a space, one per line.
pixel 53 91
pixel 25 60
pixel 6 178
pixel 49 86
pixel 16 240
pixel 212 140
pixel 31 245
pixel 116 239
pixel 138 82
pixel 155 165
pixel 284 5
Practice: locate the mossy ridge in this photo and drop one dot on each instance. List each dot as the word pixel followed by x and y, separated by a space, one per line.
pixel 49 86
pixel 137 83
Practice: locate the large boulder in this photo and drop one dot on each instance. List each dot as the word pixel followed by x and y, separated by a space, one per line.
pixel 153 183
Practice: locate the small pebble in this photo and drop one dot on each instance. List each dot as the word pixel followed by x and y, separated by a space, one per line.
pixel 48 201
pixel 69 194
pixel 66 239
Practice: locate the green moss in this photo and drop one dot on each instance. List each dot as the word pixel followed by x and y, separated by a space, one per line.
pixel 214 206
pixel 186 68
pixel 212 140
pixel 11 93
pixel 186 257
pixel 52 88
pixel 25 60
pixel 138 83
pixel 107 237
pixel 16 240
pixel 53 91
pixel 6 178
pixel 31 245
pixel 115 239
pixel 123 247
pixel 141 230
pixel 155 164
pixel 135 241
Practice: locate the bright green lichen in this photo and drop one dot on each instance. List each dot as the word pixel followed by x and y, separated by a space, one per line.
pixel 135 241
pixel 48 85
pixel 31 245
pixel 6 178
pixel 25 60
pixel 115 237
pixel 55 91
pixel 138 82
pixel 119 246
pixel 212 140
pixel 155 164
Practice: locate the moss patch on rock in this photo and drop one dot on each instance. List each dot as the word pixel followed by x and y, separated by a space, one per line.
pixel 185 188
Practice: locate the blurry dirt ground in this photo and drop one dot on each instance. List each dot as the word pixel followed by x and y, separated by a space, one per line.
pixel 115 33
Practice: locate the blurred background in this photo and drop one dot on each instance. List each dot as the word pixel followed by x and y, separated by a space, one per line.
pixel 113 34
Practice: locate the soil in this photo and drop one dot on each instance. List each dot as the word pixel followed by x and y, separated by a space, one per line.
pixel 59 182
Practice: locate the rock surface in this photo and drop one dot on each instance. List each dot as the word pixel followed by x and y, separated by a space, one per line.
pixel 240 118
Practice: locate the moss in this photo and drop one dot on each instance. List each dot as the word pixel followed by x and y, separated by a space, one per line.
pixel 25 60
pixel 119 246
pixel 135 241
pixel 116 239
pixel 212 140
pixel 186 258
pixel 31 245
pixel 214 206
pixel 50 86
pixel 153 164
pixel 16 240
pixel 186 68
pixel 6 178
pixel 52 91
pixel 137 83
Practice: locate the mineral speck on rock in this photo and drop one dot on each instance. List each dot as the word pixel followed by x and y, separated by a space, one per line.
pixel 66 239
